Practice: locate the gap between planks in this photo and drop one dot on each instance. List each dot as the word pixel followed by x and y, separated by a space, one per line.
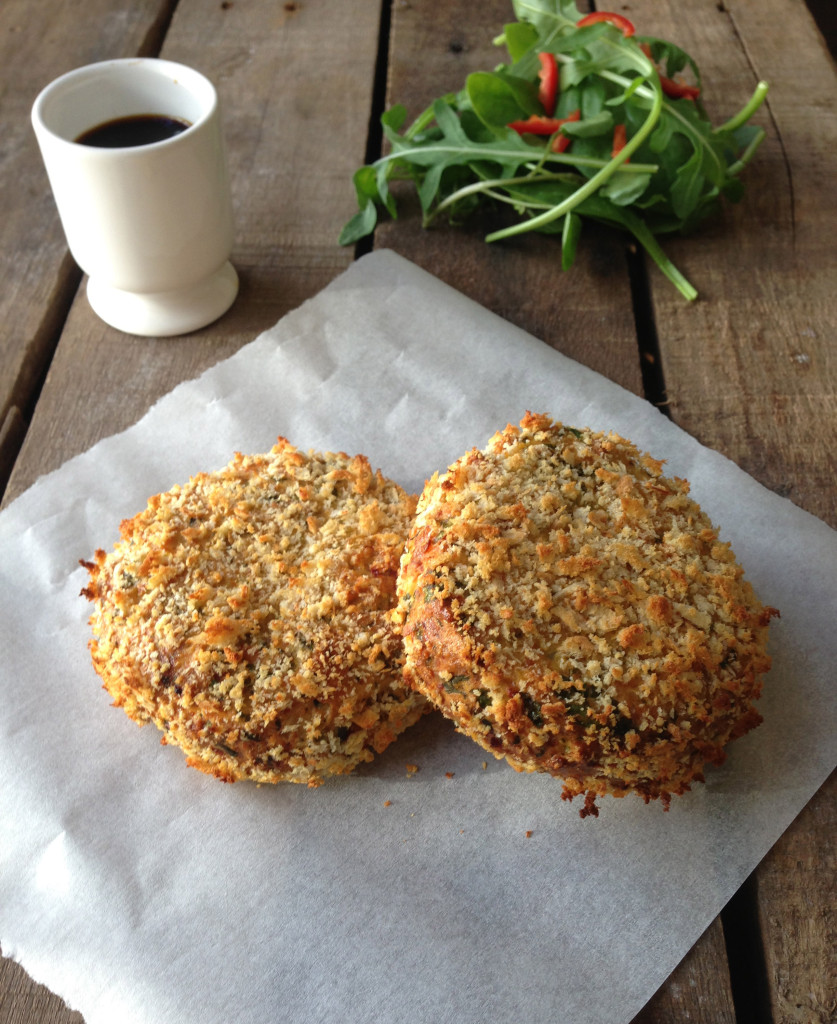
pixel 15 425
pixel 375 132
pixel 152 43
pixel 745 956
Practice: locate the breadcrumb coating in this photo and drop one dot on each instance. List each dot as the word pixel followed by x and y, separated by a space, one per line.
pixel 247 614
pixel 573 611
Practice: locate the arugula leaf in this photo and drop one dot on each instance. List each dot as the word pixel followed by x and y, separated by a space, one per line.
pixel 570 234
pixel 497 99
pixel 546 15
pixel 670 169
pixel 591 127
pixel 519 37
pixel 670 58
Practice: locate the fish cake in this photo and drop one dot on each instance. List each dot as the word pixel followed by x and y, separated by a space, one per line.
pixel 247 614
pixel 573 611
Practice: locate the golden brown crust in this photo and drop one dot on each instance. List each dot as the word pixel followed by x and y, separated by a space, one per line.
pixel 248 615
pixel 573 611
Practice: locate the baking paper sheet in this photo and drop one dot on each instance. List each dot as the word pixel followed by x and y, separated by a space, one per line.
pixel 146 893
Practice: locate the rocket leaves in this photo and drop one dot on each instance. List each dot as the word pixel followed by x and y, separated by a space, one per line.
pixel 627 144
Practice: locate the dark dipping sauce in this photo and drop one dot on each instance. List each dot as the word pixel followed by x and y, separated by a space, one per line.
pixel 136 130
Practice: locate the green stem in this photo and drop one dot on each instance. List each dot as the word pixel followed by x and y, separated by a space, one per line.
pixel 520 204
pixel 527 179
pixel 421 122
pixel 672 111
pixel 594 184
pixel 589 161
pixel 746 111
pixel 747 155
pixel 486 186
pixel 647 240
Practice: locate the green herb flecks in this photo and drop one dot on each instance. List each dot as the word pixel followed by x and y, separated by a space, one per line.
pixel 626 144
pixel 484 698
pixel 454 684
pixel 532 709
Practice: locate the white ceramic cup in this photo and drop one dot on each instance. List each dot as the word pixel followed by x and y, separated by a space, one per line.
pixel 151 225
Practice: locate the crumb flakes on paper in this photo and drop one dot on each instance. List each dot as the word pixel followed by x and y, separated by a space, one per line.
pixel 449 775
pixel 411 770
pixel 528 833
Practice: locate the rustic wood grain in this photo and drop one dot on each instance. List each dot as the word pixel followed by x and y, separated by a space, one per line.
pixel 750 371
pixel 519 279
pixel 698 990
pixel 24 1002
pixel 798 915
pixel 747 367
pixel 291 161
pixel 584 313
pixel 38 277
pixel 761 383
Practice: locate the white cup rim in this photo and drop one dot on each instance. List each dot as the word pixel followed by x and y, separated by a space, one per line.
pixel 178 73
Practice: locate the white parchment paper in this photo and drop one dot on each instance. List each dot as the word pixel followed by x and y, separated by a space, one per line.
pixel 146 893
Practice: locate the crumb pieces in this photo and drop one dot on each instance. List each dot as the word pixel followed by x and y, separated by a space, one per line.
pixel 528 833
pixel 449 775
pixel 574 611
pixel 210 621
pixel 411 770
pixel 485 766
pixel 387 803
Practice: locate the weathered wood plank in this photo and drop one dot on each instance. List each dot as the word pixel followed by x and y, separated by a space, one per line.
pixel 749 371
pixel 24 1002
pixel 286 251
pixel 585 312
pixel 292 151
pixel 798 915
pixel 748 366
pixel 698 990
pixel 38 42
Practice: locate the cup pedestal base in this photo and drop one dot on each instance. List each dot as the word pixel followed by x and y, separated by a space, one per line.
pixel 165 314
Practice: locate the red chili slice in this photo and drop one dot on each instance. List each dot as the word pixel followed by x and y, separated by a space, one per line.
pixel 625 26
pixel 561 141
pixel 548 88
pixel 678 90
pixel 620 139
pixel 674 90
pixel 536 125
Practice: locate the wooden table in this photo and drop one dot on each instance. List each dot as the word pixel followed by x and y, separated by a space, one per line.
pixel 748 369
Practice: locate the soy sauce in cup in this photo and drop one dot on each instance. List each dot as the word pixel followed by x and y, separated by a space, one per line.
pixel 151 225
pixel 136 130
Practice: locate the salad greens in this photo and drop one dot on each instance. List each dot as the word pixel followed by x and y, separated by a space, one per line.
pixel 587 120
